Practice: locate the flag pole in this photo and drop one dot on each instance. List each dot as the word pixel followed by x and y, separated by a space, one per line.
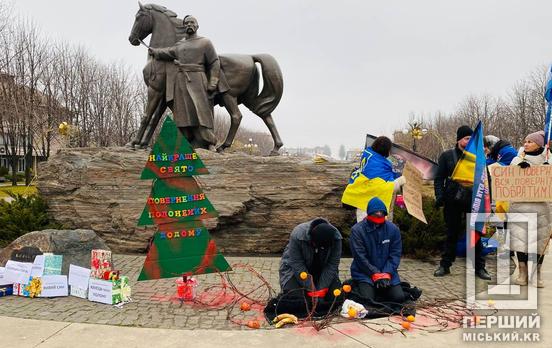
pixel 547 119
pixel 549 124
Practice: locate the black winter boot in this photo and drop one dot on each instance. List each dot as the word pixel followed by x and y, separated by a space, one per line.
pixel 441 271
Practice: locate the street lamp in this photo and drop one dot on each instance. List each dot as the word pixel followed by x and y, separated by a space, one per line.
pixel 251 146
pixel 416 131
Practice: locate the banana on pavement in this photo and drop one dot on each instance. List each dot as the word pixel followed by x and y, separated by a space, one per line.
pixel 284 319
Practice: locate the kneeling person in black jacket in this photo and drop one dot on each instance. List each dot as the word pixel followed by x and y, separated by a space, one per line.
pixel 310 262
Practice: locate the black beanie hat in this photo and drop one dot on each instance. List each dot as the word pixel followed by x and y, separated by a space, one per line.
pixel 463 131
pixel 322 234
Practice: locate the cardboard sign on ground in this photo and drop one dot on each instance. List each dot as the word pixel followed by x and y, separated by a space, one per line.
pixel 3 280
pixel 18 272
pixel 100 291
pixel 54 286
pixel 412 192
pixel 79 276
pixel 515 184
pixel 38 266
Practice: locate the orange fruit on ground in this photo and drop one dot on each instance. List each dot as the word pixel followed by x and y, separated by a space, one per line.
pixel 303 275
pixel 336 292
pixel 347 288
pixel 245 306
pixel 411 318
pixel 254 324
pixel 352 312
pixel 406 325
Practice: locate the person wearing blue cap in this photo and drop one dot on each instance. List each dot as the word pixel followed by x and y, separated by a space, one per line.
pixel 376 247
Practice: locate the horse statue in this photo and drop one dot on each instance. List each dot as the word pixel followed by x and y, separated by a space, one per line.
pixel 243 78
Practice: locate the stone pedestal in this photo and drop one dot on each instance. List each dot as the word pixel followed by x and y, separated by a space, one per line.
pixel 259 199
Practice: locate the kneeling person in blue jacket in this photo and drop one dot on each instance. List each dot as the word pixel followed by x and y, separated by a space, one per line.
pixel 376 247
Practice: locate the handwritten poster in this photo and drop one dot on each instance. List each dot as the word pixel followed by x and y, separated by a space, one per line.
pixel 515 184
pixel 412 192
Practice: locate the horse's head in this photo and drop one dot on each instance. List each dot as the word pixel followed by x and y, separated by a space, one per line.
pixel 143 25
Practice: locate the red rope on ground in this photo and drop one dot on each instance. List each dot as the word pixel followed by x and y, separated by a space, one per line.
pixel 444 314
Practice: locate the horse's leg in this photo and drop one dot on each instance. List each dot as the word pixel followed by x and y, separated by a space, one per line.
pixel 154 97
pixel 231 105
pixel 154 122
pixel 275 135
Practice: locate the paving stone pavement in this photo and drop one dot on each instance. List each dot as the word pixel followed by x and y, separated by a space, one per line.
pixel 155 306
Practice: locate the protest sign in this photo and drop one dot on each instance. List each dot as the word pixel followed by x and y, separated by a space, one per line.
pixel 18 272
pixel 3 280
pixel 79 276
pixel 54 286
pixel 412 192
pixel 515 184
pixel 100 291
pixel 38 266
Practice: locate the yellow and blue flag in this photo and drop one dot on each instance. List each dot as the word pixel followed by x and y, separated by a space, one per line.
pixel 471 170
pixel 465 167
pixel 373 178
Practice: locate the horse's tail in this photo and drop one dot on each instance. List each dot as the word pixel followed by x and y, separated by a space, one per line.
pixel 273 86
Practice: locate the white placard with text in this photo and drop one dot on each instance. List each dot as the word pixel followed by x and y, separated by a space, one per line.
pixel 100 291
pixel 54 286
pixel 18 272
pixel 79 276
pixel 38 266
pixel 3 280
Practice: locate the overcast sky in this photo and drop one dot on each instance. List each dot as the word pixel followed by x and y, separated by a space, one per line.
pixel 350 67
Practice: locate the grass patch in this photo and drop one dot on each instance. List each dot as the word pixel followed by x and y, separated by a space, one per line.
pixel 5 191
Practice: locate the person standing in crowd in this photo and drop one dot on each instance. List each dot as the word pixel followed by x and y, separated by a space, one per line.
pixel 376 247
pixel 373 178
pixel 456 201
pixel 498 151
pixel 532 153
pixel 310 262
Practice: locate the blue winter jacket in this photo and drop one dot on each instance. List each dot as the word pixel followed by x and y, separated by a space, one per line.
pixel 504 156
pixel 376 249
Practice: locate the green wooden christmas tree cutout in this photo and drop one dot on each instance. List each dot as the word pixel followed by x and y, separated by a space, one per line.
pixel 182 248
pixel 176 200
pixel 177 205
pixel 172 155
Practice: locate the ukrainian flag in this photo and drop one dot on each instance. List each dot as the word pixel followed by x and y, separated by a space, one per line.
pixel 471 170
pixel 374 178
pixel 465 167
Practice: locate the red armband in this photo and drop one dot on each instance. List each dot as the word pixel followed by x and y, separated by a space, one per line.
pixel 319 293
pixel 378 276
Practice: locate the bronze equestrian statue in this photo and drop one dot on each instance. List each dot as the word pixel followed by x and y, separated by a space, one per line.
pixel 240 74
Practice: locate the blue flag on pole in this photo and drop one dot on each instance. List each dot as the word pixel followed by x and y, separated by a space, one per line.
pixel 481 201
pixel 548 98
